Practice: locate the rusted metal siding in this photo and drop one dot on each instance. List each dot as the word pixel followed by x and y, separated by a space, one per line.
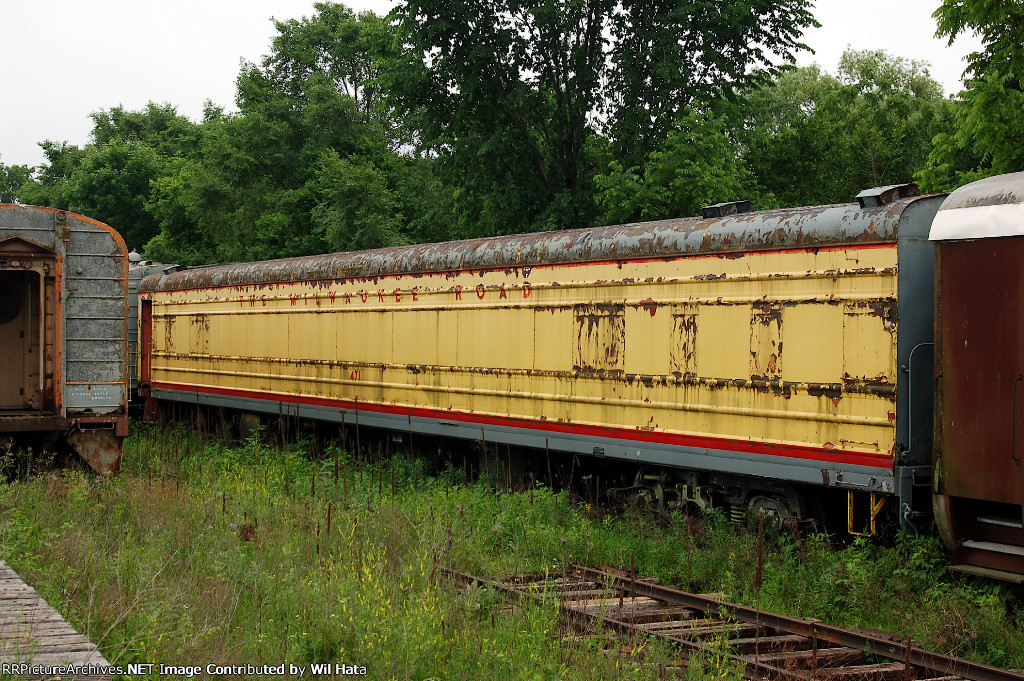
pixel 981 308
pixel 774 332
pixel 979 449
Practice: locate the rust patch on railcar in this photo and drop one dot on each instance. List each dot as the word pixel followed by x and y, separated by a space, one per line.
pixel 600 336
pixel 878 386
pixel 833 391
pixel 169 333
pixel 100 448
pixel 683 351
pixel 766 339
pixel 200 334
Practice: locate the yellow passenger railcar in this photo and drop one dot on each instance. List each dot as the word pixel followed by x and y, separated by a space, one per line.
pixel 746 359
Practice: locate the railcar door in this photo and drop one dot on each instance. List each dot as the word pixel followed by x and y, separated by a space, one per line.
pixel 13 328
pixel 26 323
pixel 983 360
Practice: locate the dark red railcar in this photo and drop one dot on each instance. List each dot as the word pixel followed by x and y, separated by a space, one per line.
pixel 979 444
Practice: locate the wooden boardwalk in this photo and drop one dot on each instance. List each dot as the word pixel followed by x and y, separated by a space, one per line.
pixel 32 633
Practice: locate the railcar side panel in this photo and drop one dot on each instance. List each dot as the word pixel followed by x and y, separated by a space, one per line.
pixel 782 362
pixel 979 449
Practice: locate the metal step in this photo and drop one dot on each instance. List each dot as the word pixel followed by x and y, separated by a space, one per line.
pixel 989 555
pixel 1001 522
pixel 990 573
pixel 994 547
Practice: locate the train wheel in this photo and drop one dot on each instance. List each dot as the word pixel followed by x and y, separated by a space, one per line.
pixel 650 491
pixel 775 511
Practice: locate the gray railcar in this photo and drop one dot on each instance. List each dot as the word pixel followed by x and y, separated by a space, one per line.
pixel 63 332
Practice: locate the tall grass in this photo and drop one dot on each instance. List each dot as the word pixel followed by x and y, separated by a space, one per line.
pixel 214 552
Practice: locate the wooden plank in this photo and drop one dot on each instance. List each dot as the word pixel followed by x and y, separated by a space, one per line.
pixel 22 625
pixel 29 651
pixel 78 657
pixel 33 632
pixel 49 637
pixel 821 654
pixel 877 671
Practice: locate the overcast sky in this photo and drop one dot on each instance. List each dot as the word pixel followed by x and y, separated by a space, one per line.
pixel 64 59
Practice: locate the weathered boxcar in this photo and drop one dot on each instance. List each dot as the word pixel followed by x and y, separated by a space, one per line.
pixel 63 324
pixel 746 359
pixel 979 485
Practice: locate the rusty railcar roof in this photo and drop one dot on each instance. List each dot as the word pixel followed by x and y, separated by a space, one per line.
pixel 811 227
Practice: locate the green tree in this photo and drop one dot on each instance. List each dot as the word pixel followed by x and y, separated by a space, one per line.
pixel 697 165
pixel 112 185
pixel 793 144
pixel 357 208
pixel 812 138
pixel 110 178
pixel 510 92
pixel 50 185
pixel 310 163
pixel 158 126
pixel 989 113
pixel 669 56
pixel 894 109
pixel 11 180
pixel 349 50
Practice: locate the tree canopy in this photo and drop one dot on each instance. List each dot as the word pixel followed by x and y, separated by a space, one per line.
pixel 812 137
pixel 515 90
pixel 989 113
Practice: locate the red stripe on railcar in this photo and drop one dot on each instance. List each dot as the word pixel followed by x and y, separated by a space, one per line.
pixel 839 456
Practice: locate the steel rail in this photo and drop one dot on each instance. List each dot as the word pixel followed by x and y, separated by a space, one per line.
pixel 882 643
pixel 906 660
pixel 576 617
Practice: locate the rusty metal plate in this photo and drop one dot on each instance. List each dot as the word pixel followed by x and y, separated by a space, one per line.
pixel 100 448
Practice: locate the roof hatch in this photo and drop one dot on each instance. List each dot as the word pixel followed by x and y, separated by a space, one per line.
pixel 880 196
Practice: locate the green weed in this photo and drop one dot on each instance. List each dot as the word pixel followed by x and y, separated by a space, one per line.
pixel 205 551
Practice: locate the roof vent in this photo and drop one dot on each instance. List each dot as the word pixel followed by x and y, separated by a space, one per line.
pixel 720 210
pixel 880 196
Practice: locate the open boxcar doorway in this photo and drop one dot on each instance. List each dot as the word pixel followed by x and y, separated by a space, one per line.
pixel 26 300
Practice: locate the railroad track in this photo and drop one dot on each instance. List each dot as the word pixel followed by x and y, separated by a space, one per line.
pixel 766 645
